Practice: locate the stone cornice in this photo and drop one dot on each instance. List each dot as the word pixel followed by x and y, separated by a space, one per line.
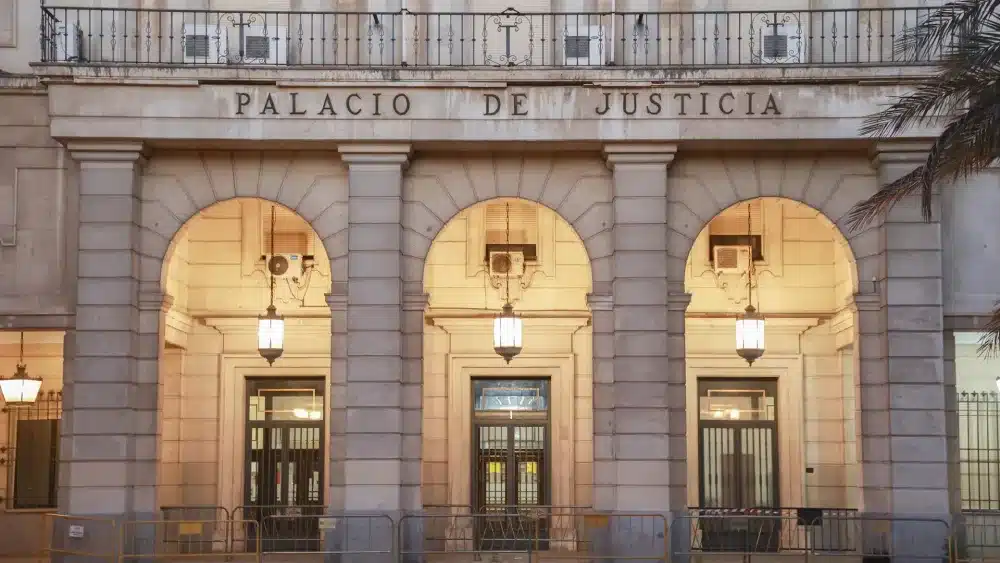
pixel 108 153
pixel 388 153
pixel 899 152
pixel 639 153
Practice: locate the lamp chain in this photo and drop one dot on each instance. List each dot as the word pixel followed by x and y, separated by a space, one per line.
pixel 507 250
pixel 20 357
pixel 750 270
pixel 271 274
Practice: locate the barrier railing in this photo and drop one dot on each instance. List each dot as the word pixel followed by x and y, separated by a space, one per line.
pixel 213 538
pixel 89 538
pixel 772 535
pixel 538 533
pixel 162 539
pixel 367 536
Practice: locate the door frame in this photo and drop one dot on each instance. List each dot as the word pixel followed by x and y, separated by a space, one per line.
pixel 231 403
pixel 291 383
pixel 771 385
pixel 501 418
pixel 563 399
pixel 787 369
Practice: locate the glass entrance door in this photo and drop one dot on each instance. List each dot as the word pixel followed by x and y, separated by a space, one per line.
pixel 738 459
pixel 511 465
pixel 284 461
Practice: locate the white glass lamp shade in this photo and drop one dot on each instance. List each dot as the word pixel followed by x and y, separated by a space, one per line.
pixel 750 335
pixel 20 389
pixel 507 329
pixel 998 383
pixel 271 335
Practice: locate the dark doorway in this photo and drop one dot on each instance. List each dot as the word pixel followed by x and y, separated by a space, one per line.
pixel 284 461
pixel 511 463
pixel 738 462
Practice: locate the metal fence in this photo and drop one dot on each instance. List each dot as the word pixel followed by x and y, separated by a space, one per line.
pixel 979 450
pixel 82 35
pixel 576 534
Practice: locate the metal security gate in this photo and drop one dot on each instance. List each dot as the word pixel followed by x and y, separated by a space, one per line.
pixel 284 461
pixel 738 460
pixel 511 464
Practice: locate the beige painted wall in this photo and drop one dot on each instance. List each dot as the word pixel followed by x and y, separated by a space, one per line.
pixel 218 287
pixel 803 287
pixel 458 345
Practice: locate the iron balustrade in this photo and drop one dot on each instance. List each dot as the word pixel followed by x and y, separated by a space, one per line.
pixel 126 36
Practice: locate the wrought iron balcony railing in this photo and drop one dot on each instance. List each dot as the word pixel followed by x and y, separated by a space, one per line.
pixel 853 37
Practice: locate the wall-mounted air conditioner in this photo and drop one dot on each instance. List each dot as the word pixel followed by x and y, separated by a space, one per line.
pixel 503 264
pixel 69 43
pixel 582 45
pixel 265 44
pixel 783 43
pixel 205 44
pixel 284 265
pixel 731 259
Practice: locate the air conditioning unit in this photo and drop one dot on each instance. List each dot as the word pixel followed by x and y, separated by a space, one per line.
pixel 503 264
pixel 782 43
pixel 205 44
pixel 731 259
pixel 284 265
pixel 265 44
pixel 69 43
pixel 582 46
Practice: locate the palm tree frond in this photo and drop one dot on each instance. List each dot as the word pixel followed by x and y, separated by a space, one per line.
pixel 864 213
pixel 989 342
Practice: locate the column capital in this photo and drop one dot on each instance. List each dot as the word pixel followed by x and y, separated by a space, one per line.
pixel 107 153
pixel 678 301
pixel 415 301
pixel 867 301
pixel 382 153
pixel 601 301
pixel 155 301
pixel 639 153
pixel 899 152
pixel 337 301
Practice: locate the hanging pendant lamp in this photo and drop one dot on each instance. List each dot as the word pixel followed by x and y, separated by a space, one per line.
pixel 750 325
pixel 271 325
pixel 507 326
pixel 20 390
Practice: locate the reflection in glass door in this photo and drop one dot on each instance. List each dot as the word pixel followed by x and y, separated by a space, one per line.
pixel 284 460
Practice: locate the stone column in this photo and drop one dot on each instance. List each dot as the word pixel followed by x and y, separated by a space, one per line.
pixel 605 470
pixel 902 394
pixel 375 465
pixel 109 429
pixel 648 443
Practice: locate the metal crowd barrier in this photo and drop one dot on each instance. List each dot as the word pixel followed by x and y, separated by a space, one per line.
pixel 89 538
pixel 365 537
pixel 531 535
pixel 191 539
pixel 775 535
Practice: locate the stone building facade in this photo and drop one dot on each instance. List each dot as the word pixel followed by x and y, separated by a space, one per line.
pixel 148 162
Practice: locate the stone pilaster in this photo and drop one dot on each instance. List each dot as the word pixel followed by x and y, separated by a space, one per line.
pixel 414 306
pixel 648 453
pixel 374 452
pixel 109 432
pixel 605 470
pixel 902 392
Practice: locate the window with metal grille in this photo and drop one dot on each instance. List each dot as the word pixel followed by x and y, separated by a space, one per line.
pixel 775 46
pixel 258 47
pixel 578 47
pixel 196 45
pixel 32 452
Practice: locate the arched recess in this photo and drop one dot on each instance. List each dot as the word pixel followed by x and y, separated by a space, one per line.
pixel 552 297
pixel 804 285
pixel 703 187
pixel 307 188
pixel 576 187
